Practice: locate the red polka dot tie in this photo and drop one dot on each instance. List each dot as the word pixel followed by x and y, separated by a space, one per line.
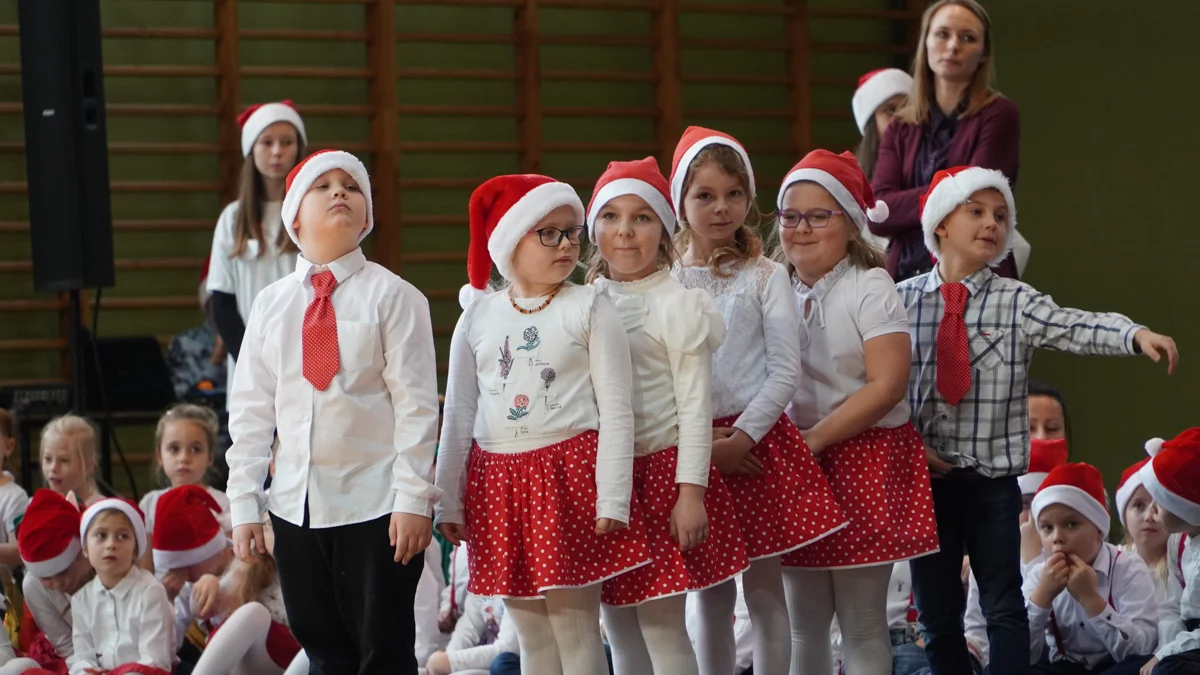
pixel 320 333
pixel 953 356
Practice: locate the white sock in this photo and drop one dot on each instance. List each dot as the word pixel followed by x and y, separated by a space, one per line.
pixel 18 666
pixel 763 586
pixel 240 646
pixel 715 648
pixel 860 597
pixel 574 615
pixel 810 607
pixel 629 653
pixel 539 651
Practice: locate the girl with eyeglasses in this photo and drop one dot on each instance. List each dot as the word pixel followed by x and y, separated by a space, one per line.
pixel 852 408
pixel 536 456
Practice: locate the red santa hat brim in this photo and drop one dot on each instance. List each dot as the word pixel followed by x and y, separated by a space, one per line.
pixel 679 175
pixel 308 171
pixel 266 115
pixel 1075 498
pixel 116 504
pixel 956 189
pixel 1030 482
pixel 876 90
pixel 631 186
pixel 1167 498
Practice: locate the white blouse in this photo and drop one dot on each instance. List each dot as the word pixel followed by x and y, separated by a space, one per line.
pixel 520 382
pixel 1183 599
pixel 755 369
pixel 673 332
pixel 847 307
pixel 129 623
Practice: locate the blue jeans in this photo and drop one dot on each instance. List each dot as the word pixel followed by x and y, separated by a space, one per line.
pixel 1187 663
pixel 907 657
pixel 978 516
pixel 507 663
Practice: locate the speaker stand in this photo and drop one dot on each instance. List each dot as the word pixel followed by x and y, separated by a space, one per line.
pixel 75 351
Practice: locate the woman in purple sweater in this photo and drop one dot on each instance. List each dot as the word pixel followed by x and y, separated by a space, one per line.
pixel 953 118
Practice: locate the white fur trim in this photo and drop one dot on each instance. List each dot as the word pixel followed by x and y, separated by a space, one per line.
pixel 631 186
pixel 173 560
pixel 1069 495
pixel 1183 507
pixel 265 116
pixel 468 294
pixel 826 180
pixel 957 189
pixel 112 504
pixel 516 223
pixel 310 172
pixel 1030 482
pixel 1154 446
pixel 690 154
pixel 1125 493
pixel 878 89
pixel 1021 249
pixel 44 569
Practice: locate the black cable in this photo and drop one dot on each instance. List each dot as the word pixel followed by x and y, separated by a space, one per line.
pixel 112 430
pixel 96 310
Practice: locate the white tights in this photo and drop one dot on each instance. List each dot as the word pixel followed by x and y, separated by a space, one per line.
pixel 651 638
pixel 240 647
pixel 560 635
pixel 763 587
pixel 859 598
pixel 17 666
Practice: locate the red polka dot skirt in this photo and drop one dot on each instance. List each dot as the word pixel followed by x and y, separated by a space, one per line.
pixel 532 522
pixel 788 505
pixel 721 557
pixel 882 482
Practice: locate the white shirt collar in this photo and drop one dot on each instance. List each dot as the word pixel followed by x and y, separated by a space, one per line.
pixel 342 268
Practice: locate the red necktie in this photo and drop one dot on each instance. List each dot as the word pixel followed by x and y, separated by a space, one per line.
pixel 953 356
pixel 320 338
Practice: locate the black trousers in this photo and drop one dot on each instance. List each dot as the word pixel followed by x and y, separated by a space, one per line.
pixel 350 605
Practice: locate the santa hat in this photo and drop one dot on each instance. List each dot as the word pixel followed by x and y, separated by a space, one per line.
pixel 951 187
pixel 186 531
pixel 641 178
pixel 48 535
pixel 1173 476
pixel 1079 486
pixel 256 118
pixel 694 140
pixel 1044 457
pixel 844 179
pixel 1131 479
pixel 874 89
pixel 502 211
pixel 304 174
pixel 131 511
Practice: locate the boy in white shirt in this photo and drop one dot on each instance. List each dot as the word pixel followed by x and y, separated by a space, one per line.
pixel 339 358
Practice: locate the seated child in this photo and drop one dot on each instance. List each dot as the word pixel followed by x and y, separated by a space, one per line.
pixel 1091 604
pixel 121 620
pixel 480 636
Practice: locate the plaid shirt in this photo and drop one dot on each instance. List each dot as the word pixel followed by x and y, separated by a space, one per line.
pixel 988 430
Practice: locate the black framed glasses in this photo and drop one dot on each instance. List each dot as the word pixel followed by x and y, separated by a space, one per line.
pixel 817 218
pixel 552 236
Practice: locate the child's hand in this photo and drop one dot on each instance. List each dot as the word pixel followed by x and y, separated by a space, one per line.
pixel 1054 579
pixel 446 622
pixel 606 525
pixel 173 582
pixel 689 522
pixel 206 596
pixel 1155 346
pixel 410 534
pixel 938 467
pixel 438 664
pixel 1146 669
pixel 249 542
pixel 454 533
pixel 1082 585
pixel 731 453
pixel 1031 541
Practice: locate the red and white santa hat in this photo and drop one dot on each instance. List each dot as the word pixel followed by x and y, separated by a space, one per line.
pixel 951 187
pixel 304 174
pixel 874 89
pixel 255 119
pixel 502 211
pixel 694 140
pixel 131 511
pixel 48 535
pixel 186 529
pixel 1079 486
pixel 1172 477
pixel 844 179
pixel 1044 457
pixel 641 178
pixel 1131 478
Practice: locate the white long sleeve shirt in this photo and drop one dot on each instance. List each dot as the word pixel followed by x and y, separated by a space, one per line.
pixel 483 619
pixel 1183 603
pixel 673 332
pixel 52 612
pixel 755 370
pixel 359 450
pixel 1127 627
pixel 129 623
pixel 454 595
pixel 520 382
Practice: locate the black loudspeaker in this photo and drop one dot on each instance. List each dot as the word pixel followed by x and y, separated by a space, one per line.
pixel 66 144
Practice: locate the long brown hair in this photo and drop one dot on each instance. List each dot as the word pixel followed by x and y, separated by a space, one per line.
pixel 747 244
pixel 982 89
pixel 252 194
pixel 867 152
pixel 862 255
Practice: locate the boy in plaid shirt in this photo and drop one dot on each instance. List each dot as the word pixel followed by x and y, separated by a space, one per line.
pixel 973 336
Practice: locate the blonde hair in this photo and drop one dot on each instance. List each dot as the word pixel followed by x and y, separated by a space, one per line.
pixel 596 266
pixel 747 244
pixel 1160 568
pixel 862 255
pixel 982 89
pixel 80 434
pixel 198 415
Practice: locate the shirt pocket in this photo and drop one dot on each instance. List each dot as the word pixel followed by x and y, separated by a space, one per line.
pixel 358 342
pixel 987 349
